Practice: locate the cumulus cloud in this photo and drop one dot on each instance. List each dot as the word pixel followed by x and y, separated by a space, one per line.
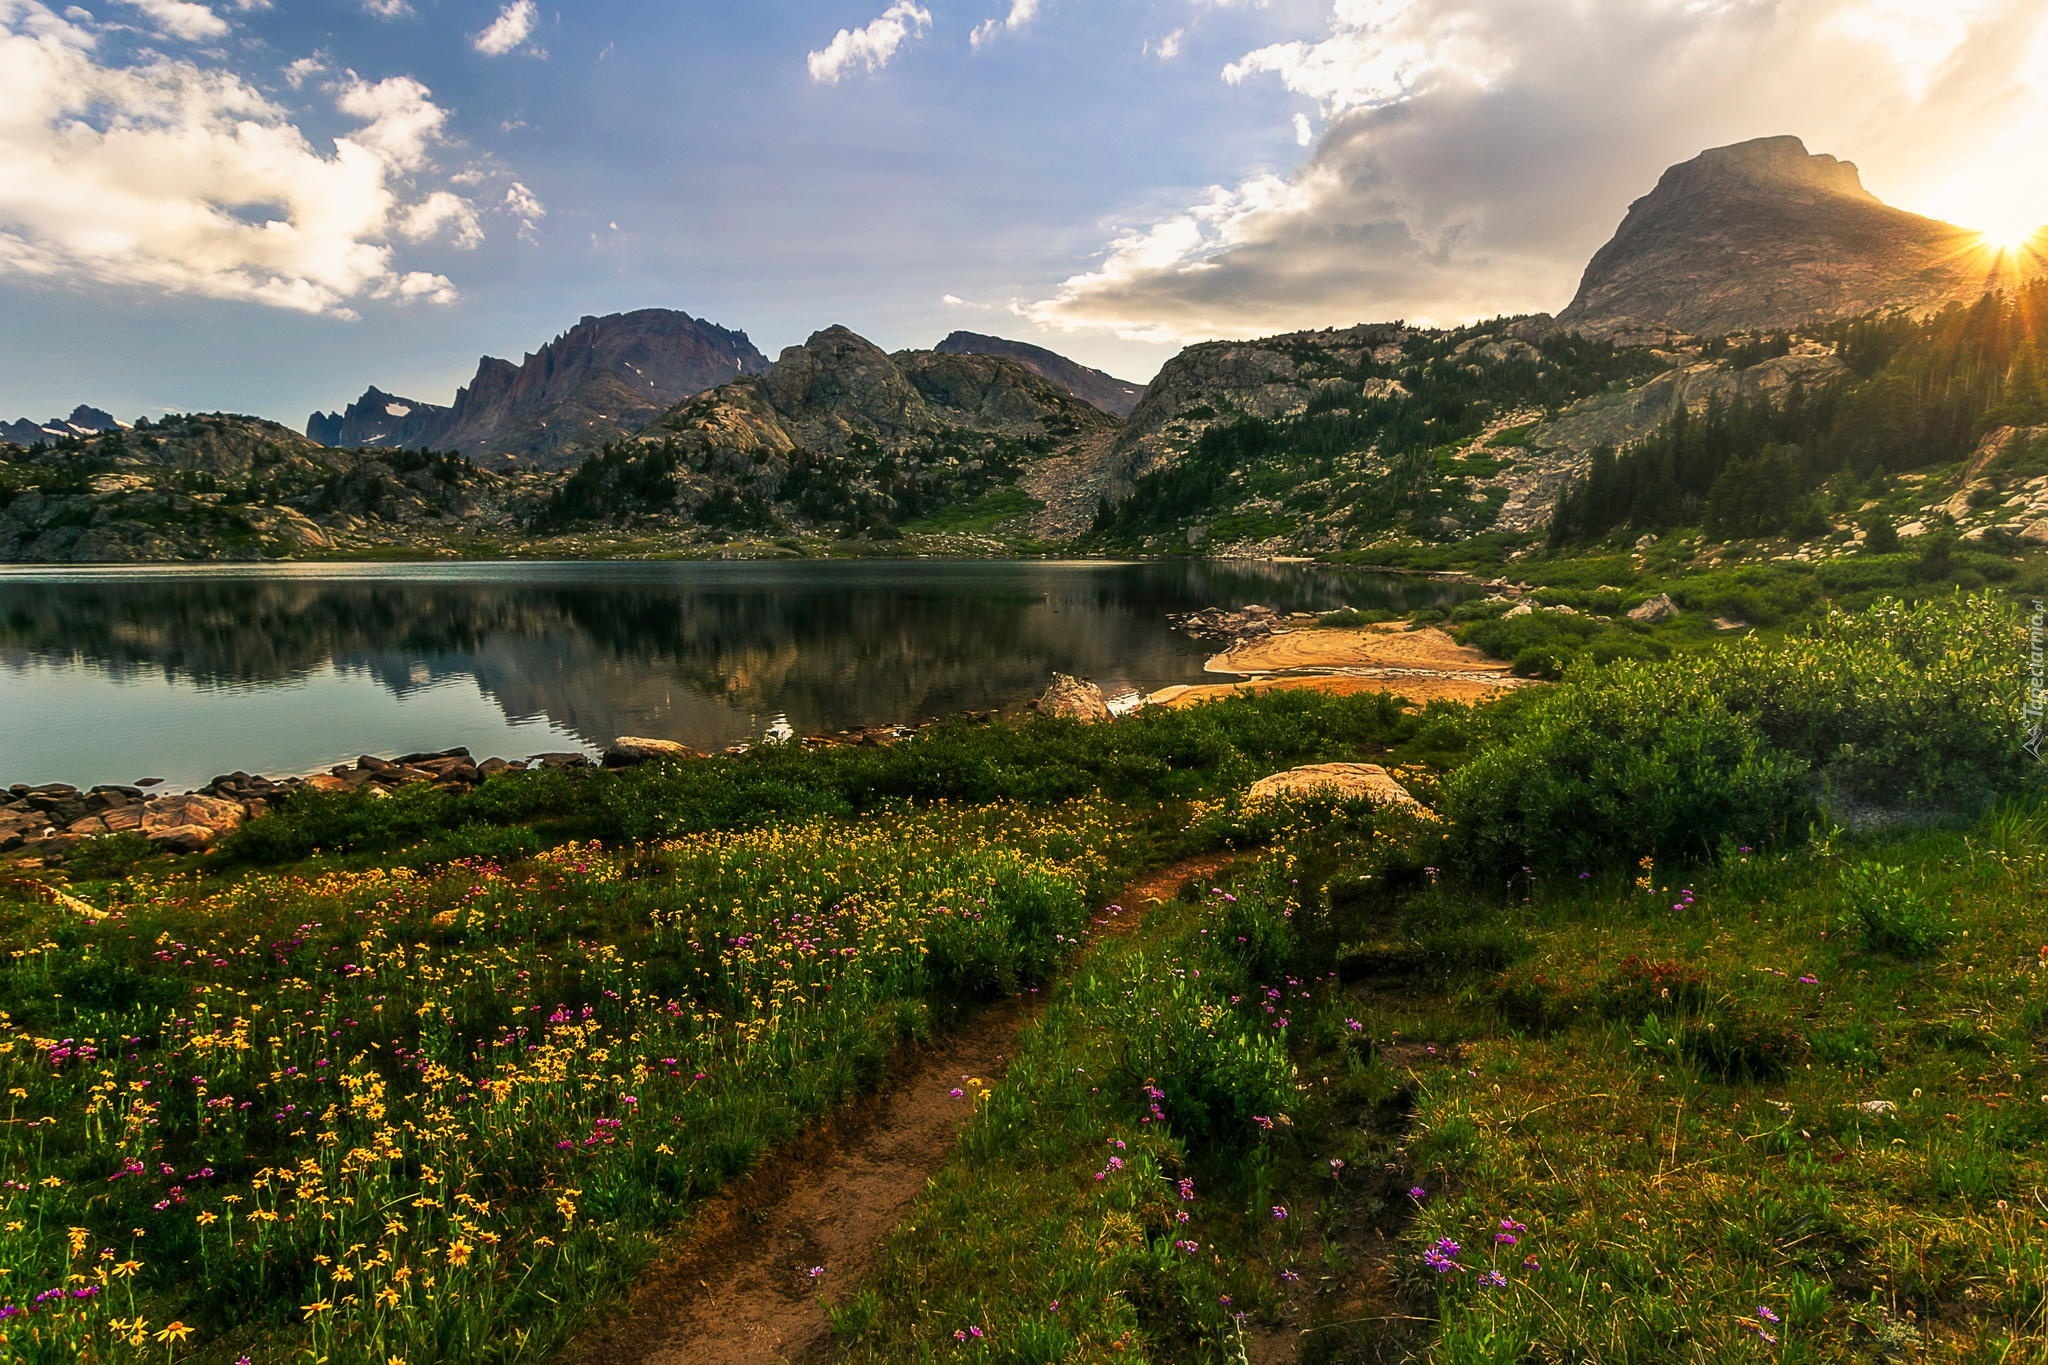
pixel 510 30
pixel 872 47
pixel 524 205
pixel 443 214
pixel 388 9
pixel 1022 12
pixel 183 19
pixel 1169 47
pixel 182 177
pixel 1476 152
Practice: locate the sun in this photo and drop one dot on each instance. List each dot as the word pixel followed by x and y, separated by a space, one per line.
pixel 2010 239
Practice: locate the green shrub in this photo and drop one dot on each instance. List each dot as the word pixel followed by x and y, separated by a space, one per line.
pixel 1888 914
pixel 1640 759
pixel 1904 703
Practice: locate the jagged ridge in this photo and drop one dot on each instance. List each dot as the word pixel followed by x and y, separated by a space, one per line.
pixel 602 379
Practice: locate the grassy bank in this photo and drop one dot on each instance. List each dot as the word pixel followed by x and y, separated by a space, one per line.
pixel 1622 1050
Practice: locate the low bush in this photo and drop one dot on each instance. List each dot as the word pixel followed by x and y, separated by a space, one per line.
pixel 1886 912
pixel 1900 704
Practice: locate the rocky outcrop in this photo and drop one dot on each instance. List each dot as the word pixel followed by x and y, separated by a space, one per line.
pixel 1219 381
pixel 1557 449
pixel 1335 781
pixel 216 486
pixel 1073 698
pixel 1763 236
pixel 603 379
pixel 1115 396
pixel 189 822
pixel 83 421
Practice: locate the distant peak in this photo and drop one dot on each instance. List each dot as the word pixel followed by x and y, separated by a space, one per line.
pixel 1766 163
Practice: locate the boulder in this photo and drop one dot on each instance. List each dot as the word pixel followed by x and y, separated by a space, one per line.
pixel 188 822
pixel 1658 609
pixel 628 750
pixel 1344 781
pixel 123 820
pixel 327 782
pixel 1075 699
pixel 1520 609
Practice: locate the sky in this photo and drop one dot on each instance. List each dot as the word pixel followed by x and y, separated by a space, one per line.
pixel 266 206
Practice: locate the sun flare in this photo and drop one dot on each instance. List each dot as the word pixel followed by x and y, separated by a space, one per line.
pixel 2009 239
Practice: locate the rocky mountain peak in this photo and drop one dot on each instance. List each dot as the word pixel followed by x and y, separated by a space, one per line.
pixel 1765 236
pixel 839 377
pixel 602 379
pixel 1772 165
pixel 83 421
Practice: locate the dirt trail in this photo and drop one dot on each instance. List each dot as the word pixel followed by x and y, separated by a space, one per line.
pixel 739 1289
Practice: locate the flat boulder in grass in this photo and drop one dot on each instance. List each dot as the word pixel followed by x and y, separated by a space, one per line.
pixel 1075 699
pixel 1658 609
pixel 629 750
pixel 189 822
pixel 1343 781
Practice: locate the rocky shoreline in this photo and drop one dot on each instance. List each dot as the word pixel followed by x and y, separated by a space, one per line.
pixel 53 818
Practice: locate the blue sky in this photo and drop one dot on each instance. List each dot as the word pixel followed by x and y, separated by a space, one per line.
pixel 181 229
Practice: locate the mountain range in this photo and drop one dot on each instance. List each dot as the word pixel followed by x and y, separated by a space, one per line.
pixel 602 378
pixel 1727 288
pixel 83 421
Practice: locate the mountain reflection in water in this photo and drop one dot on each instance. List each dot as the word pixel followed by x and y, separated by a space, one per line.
pixel 106 675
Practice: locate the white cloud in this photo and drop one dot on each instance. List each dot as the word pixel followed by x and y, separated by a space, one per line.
pixel 176 176
pixel 1169 47
pixel 1022 12
pixel 1476 152
pixel 389 9
pixel 510 30
pixel 1304 131
pixel 399 117
pixel 305 69
pixel 443 212
pixel 523 204
pixel 183 19
pixel 872 47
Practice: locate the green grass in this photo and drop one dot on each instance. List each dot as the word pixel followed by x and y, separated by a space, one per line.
pixel 436 1115
pixel 431 1076
pixel 981 516
pixel 1688 1097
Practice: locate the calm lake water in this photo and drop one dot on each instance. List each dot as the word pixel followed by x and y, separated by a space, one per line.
pixel 111 675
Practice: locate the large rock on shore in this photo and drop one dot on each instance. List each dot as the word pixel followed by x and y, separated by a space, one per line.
pixel 189 822
pixel 1075 699
pixel 1341 781
pixel 630 750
